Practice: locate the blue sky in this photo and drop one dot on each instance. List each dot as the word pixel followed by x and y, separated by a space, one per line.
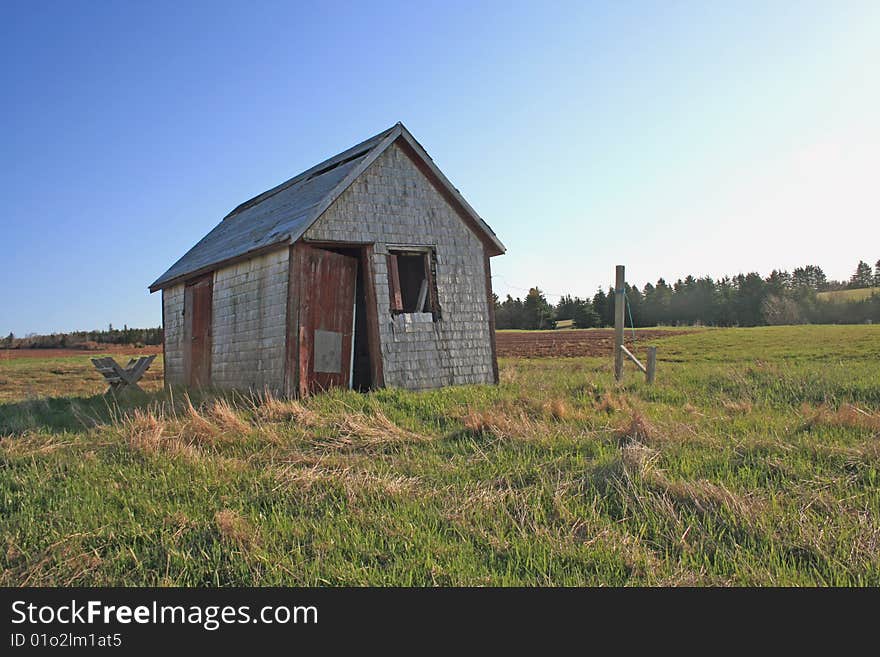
pixel 674 137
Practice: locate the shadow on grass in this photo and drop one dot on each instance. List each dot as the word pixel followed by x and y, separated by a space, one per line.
pixel 79 414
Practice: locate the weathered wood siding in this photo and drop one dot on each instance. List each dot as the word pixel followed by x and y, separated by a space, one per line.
pixel 249 318
pixel 248 325
pixel 393 203
pixel 172 300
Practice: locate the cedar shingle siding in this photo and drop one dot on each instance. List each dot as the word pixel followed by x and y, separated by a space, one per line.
pixel 172 300
pixel 250 311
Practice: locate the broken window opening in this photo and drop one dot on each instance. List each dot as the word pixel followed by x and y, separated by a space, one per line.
pixel 412 282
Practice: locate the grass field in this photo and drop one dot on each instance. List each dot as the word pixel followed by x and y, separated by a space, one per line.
pixel 755 459
pixel 848 295
pixel 23 377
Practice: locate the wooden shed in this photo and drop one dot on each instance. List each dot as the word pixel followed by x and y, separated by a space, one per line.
pixel 367 270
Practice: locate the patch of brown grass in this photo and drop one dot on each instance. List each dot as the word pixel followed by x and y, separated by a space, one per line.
pixel 634 462
pixel 496 422
pixel 480 422
pixel 12 550
pixel 478 496
pixel 739 407
pixel 611 403
pixel 235 528
pixel 869 451
pixel 637 458
pixel 354 482
pixel 557 409
pixel 706 496
pixel 180 523
pixel 65 562
pixel 149 432
pixel 197 428
pixel 33 443
pixel 361 430
pixel 143 431
pixel 270 408
pixel 692 410
pixel 846 415
pixel 637 430
pixel 227 417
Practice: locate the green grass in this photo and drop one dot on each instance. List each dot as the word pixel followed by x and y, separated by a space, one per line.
pixel 754 460
pixel 682 329
pixel 848 295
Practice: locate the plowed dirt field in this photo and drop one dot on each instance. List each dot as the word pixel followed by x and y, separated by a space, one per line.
pixel 548 344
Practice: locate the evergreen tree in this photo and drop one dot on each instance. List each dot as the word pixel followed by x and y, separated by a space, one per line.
pixel 863 276
pixel 749 299
pixel 580 311
pixel 706 305
pixel 600 303
pixel 509 315
pixel 585 316
pixel 634 315
pixel 565 308
pixel 607 315
pixel 810 276
pixel 726 302
pixel 778 282
pixel 663 300
pixel 537 313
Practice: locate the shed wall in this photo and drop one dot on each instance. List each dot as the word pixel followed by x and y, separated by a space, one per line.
pixel 393 203
pixel 172 301
pixel 249 320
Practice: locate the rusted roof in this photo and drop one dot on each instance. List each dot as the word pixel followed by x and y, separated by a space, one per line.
pixel 282 214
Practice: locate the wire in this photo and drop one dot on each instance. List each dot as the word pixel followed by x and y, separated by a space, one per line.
pixel 528 289
pixel 629 311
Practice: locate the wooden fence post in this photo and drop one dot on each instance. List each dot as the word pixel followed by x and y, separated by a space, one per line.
pixel 652 364
pixel 619 302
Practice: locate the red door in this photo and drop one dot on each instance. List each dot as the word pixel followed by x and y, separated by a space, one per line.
pixel 327 289
pixel 197 300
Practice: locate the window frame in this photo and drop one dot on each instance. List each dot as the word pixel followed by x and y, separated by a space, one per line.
pixel 395 295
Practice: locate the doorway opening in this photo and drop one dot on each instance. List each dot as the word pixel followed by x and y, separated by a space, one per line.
pixel 361 375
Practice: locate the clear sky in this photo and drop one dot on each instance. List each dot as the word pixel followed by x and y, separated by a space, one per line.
pixel 674 137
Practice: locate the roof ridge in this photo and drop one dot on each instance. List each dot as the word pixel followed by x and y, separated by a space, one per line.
pixel 322 167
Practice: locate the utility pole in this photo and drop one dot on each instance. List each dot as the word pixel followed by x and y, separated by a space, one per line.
pixel 619 349
pixel 619 302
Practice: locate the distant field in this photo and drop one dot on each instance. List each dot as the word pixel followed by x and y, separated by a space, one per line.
pixel 848 295
pixel 572 343
pixel 754 460
pixel 677 329
pixel 105 350
pixel 37 373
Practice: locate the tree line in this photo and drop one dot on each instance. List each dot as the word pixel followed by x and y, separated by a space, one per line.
pixel 743 300
pixel 137 337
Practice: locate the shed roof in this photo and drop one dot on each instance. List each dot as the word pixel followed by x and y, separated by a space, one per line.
pixel 282 214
